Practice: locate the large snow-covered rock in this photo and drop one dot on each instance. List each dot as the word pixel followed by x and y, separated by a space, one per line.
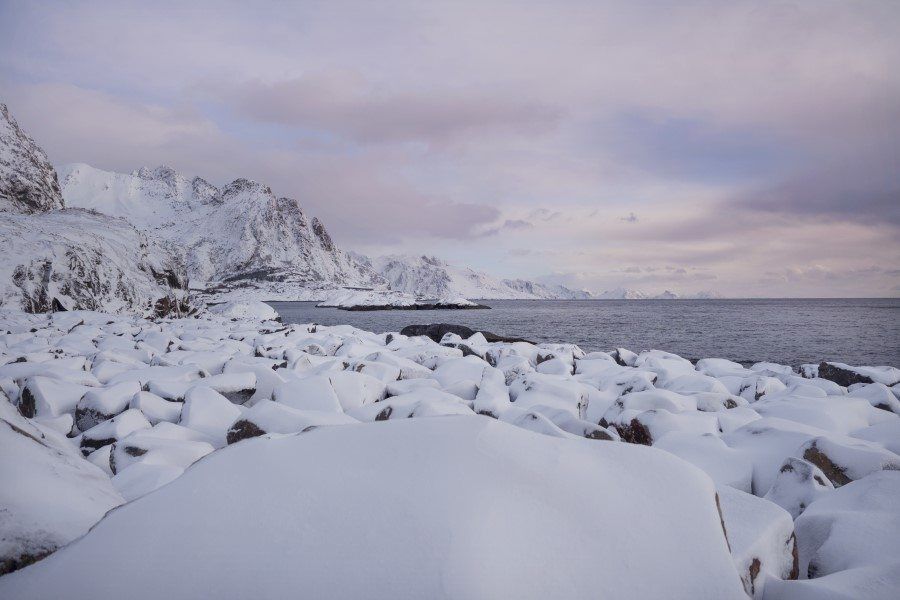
pixel 49 495
pixel 456 507
pixel 854 526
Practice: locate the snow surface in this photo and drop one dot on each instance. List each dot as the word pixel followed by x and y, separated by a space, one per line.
pixel 537 448
pixel 505 513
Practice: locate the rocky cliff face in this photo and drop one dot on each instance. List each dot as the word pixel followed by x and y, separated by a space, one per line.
pixel 28 182
pixel 240 236
pixel 64 259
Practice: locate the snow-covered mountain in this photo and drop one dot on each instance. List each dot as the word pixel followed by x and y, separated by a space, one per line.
pixel 243 241
pixel 432 277
pixel 56 258
pixel 630 294
pixel 240 237
pixel 622 294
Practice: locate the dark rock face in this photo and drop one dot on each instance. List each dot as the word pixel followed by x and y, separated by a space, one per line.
pixel 635 433
pixel 242 430
pixel 28 183
pixel 834 473
pixel 8 565
pixel 841 376
pixel 87 417
pixel 437 331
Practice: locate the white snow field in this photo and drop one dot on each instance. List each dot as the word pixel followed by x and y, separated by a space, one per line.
pixel 260 459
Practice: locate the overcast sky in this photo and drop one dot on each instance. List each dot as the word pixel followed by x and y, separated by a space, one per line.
pixel 751 148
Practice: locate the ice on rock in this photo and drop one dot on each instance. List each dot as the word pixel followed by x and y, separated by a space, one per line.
pixel 210 413
pixel 101 404
pixel 761 538
pixel 799 484
pixel 545 515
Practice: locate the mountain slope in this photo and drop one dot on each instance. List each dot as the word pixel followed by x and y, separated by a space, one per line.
pixel 55 258
pixel 28 182
pixel 239 236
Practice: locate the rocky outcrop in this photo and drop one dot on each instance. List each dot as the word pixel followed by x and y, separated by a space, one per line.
pixel 28 182
pixel 240 237
pixel 71 259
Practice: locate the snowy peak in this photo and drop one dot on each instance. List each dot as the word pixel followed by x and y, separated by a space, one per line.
pixel 240 235
pixel 28 182
pixel 623 294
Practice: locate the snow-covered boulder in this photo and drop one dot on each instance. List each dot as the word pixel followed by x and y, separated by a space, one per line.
pixel 246 310
pixel 847 375
pixel 761 538
pixel 454 508
pixel 799 484
pixel 49 495
pixel 854 526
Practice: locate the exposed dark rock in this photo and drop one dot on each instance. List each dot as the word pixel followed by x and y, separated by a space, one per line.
pixel 841 376
pixel 242 430
pixel 87 417
pixel 8 565
pixel 239 396
pixel 385 414
pixel 834 473
pixel 635 433
pixel 26 403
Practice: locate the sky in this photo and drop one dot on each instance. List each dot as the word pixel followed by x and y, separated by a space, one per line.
pixel 748 148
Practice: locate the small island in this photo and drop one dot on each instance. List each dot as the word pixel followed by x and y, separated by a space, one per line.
pixel 367 299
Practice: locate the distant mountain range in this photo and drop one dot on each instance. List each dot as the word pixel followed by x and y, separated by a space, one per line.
pixel 242 240
pixel 89 238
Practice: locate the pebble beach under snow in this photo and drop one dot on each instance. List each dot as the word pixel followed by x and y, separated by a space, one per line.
pixel 342 463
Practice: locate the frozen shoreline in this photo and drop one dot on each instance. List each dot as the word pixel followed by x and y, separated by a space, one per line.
pixel 781 452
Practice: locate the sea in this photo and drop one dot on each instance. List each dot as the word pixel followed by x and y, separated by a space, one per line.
pixel 787 331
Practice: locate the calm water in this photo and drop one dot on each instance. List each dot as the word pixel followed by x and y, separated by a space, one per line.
pixel 860 332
